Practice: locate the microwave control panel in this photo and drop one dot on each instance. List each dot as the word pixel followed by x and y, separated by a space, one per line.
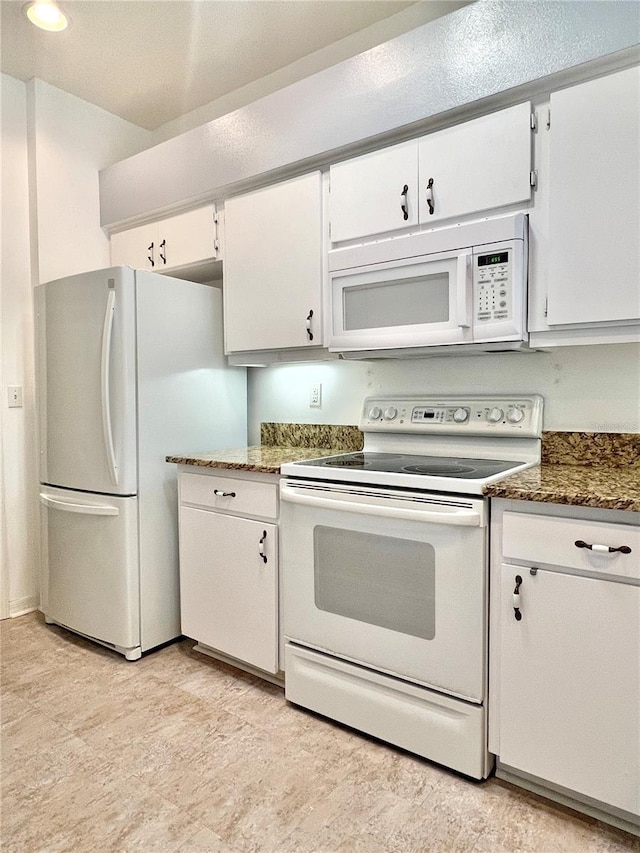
pixel 492 286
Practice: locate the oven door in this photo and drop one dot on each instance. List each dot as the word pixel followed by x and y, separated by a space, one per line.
pixel 390 579
pixel 413 302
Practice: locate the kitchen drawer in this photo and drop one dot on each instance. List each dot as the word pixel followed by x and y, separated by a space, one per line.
pixel 545 540
pixel 230 494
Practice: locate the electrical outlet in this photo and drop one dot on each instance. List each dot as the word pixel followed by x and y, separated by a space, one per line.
pixel 15 396
pixel 315 396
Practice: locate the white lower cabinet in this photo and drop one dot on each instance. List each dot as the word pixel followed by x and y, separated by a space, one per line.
pixel 229 566
pixel 567 658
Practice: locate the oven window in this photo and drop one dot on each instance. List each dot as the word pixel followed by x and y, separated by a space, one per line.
pixel 400 302
pixel 376 579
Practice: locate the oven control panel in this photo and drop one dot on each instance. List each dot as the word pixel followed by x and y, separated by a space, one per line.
pixel 515 416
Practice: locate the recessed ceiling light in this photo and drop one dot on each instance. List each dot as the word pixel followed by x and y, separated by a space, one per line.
pixel 46 15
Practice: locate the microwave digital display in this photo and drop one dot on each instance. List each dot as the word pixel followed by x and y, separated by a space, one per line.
pixel 486 260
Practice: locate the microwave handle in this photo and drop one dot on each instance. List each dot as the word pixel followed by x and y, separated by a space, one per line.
pixel 464 289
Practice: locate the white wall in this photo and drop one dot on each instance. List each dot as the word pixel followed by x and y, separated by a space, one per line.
pixel 18 509
pixel 71 140
pixel 590 388
pixel 53 146
pixel 353 44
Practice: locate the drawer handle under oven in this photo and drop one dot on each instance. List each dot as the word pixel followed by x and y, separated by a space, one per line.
pixel 603 549
pixel 465 517
pixel 220 494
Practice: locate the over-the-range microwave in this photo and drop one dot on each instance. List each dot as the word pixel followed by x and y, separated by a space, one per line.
pixel 448 290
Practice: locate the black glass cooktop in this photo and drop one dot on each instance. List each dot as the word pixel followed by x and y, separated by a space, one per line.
pixel 398 463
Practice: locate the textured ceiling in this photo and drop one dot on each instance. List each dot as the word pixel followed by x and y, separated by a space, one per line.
pixel 151 61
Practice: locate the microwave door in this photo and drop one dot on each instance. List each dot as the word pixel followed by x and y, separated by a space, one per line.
pixel 416 302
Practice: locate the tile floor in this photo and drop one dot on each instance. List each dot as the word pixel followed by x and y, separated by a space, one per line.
pixel 179 752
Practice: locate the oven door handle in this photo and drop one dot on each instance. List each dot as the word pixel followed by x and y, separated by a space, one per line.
pixel 464 517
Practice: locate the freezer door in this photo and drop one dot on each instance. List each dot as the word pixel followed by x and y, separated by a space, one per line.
pixel 85 332
pixel 90 565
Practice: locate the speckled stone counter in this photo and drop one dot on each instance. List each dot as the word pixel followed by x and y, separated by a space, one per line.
pixel 580 469
pixel 280 443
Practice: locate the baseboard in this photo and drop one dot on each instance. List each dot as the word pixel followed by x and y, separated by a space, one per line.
pixel 20 606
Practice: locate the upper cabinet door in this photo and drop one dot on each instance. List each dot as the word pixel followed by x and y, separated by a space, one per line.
pixel 177 241
pixel 375 193
pixel 476 166
pixel 136 247
pixel 594 198
pixel 273 267
pixel 187 238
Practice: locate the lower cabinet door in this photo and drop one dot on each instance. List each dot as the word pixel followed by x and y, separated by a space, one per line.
pixel 228 585
pixel 570 683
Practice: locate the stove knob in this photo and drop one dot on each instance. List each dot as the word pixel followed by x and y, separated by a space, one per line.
pixel 375 413
pixel 461 415
pixel 515 415
pixel 390 413
pixel 495 415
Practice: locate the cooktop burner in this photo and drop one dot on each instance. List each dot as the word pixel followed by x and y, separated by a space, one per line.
pixel 435 444
pixel 398 463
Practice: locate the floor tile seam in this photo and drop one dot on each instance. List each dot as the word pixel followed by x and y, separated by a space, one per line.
pixel 199 828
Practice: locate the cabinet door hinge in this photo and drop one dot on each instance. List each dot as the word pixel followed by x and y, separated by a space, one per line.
pixel 546 306
pixel 534 121
pixel 215 217
pixel 533 179
pixel 548 118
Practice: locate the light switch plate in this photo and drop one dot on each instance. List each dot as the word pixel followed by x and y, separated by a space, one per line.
pixel 15 396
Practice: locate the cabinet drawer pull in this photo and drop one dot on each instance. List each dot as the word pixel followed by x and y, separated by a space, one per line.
pixel 603 549
pixel 430 202
pixel 220 494
pixel 261 546
pixel 308 324
pixel 150 257
pixel 516 599
pixel 404 205
pixel 163 255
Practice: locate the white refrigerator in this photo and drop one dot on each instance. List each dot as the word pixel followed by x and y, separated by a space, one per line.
pixel 130 369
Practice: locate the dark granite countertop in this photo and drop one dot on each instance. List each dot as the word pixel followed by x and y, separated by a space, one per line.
pixel 280 443
pixel 265 460
pixel 580 469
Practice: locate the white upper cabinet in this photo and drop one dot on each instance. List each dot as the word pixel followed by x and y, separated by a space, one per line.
pixel 477 166
pixel 594 198
pixel 135 247
pixel 374 193
pixel 474 167
pixel 172 243
pixel 273 267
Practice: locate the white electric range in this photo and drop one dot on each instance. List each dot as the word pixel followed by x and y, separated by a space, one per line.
pixel 385 570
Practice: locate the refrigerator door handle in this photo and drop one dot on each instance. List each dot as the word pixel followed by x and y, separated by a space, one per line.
pixel 107 332
pixel 70 506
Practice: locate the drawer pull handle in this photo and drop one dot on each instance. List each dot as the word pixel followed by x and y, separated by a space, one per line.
pixel 308 324
pixel 261 546
pixel 220 494
pixel 603 549
pixel 516 599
